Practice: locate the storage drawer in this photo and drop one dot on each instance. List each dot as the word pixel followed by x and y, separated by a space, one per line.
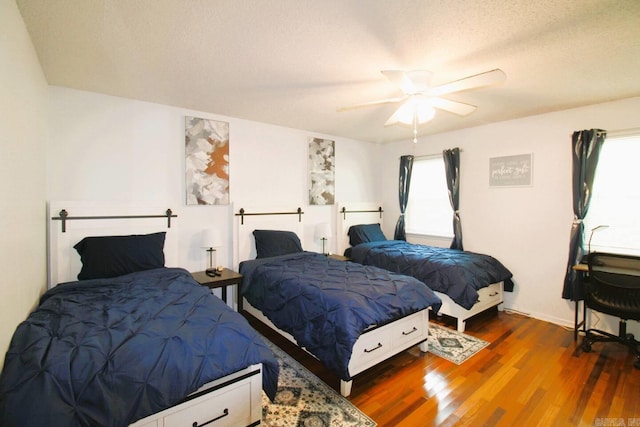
pixel 410 330
pixel 232 400
pixel 372 346
pixel 489 296
pixel 228 407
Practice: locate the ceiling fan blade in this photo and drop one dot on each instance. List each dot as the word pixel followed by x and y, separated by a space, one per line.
pixel 410 82
pixel 399 78
pixel 455 107
pixel 396 118
pixel 473 82
pixel 369 104
pixel 421 80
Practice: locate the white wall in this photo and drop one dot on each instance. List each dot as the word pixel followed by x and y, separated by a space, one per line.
pixel 526 228
pixel 22 173
pixel 112 149
pixel 106 148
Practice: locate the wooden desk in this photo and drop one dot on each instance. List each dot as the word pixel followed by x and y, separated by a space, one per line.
pixel 581 267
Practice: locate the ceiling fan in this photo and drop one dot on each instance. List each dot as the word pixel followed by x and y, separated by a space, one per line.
pixel 420 99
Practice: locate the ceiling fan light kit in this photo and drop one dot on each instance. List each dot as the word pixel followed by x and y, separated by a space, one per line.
pixel 413 110
pixel 421 99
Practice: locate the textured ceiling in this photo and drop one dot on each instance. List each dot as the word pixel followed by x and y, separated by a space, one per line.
pixel 294 62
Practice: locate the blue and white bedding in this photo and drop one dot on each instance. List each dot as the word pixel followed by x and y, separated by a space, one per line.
pixel 326 304
pixel 111 351
pixel 458 274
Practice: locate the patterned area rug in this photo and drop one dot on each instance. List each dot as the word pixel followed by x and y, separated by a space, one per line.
pixel 304 400
pixel 453 345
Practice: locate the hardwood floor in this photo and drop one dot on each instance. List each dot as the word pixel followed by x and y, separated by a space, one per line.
pixel 532 374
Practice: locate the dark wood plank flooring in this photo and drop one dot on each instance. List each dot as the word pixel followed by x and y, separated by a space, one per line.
pixel 532 373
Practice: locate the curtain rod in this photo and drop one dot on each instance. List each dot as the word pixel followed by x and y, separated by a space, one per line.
pixel 426 156
pixel 624 132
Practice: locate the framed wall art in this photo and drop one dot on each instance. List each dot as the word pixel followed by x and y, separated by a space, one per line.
pixel 321 171
pixel 206 161
pixel 511 171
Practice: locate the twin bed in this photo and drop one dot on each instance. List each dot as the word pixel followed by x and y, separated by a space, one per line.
pixel 347 315
pixel 133 341
pixel 467 282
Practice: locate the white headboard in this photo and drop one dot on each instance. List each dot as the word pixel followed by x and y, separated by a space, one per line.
pixel 353 214
pixel 97 219
pixel 262 218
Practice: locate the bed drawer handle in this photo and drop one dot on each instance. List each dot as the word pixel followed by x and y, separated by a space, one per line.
pixel 410 332
pixel 493 294
pixel 224 414
pixel 373 349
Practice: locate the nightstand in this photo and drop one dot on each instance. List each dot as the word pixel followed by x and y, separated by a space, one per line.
pixel 339 257
pixel 226 278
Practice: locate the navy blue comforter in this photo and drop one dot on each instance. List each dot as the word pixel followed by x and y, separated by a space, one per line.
pixel 108 352
pixel 327 304
pixel 458 274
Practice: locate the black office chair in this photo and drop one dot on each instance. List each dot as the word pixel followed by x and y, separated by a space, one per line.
pixel 613 287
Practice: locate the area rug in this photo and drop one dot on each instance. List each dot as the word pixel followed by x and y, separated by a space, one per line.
pixel 453 345
pixel 304 400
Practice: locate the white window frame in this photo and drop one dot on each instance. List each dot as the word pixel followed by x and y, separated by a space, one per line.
pixel 429 211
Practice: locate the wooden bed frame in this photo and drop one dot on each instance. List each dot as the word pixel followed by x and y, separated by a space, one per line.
pixel 370 213
pixel 235 399
pixel 373 346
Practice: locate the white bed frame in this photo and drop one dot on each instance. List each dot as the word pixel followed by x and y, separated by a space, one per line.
pixel 373 346
pixel 235 399
pixel 368 213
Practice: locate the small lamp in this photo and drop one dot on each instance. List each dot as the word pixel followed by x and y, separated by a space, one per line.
pixel 210 239
pixel 322 232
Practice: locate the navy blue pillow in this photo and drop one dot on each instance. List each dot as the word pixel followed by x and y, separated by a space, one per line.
pixel 274 243
pixel 112 256
pixel 365 233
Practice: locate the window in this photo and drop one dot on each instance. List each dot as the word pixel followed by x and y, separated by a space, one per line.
pixel 615 203
pixel 428 208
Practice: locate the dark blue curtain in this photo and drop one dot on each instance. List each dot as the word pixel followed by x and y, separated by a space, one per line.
pixel 452 171
pixel 406 164
pixel 586 145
